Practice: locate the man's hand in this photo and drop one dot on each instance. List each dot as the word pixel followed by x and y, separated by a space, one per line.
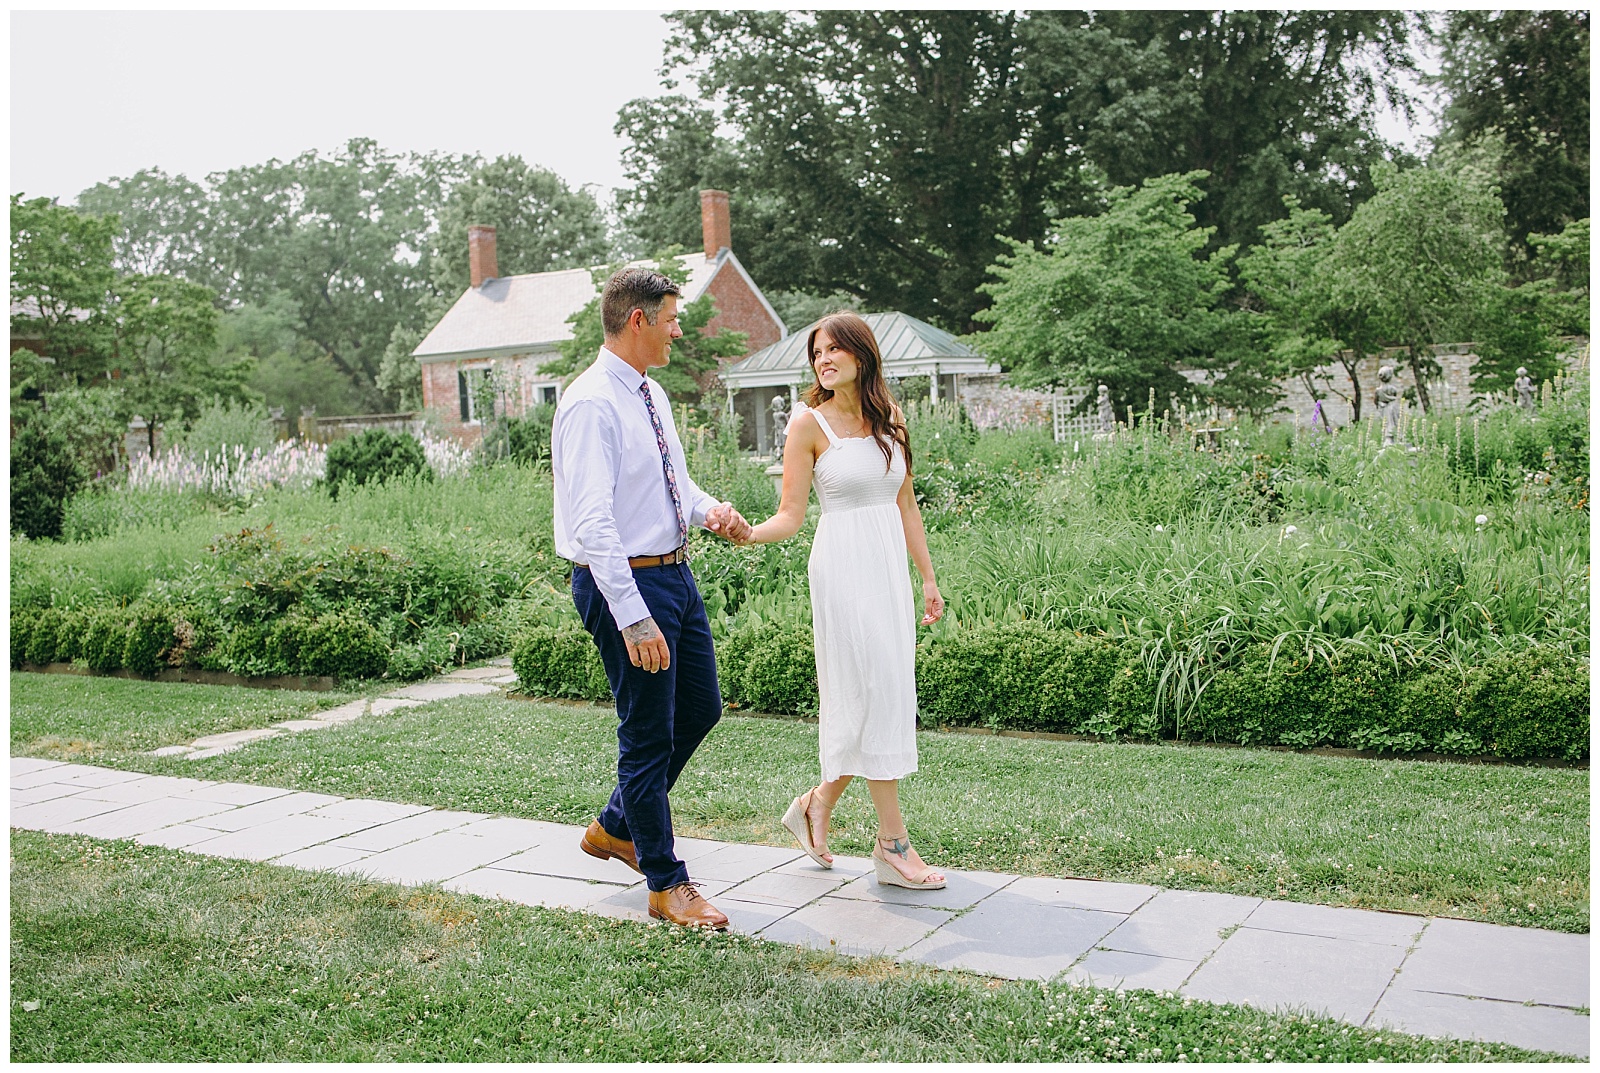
pixel 646 647
pixel 723 520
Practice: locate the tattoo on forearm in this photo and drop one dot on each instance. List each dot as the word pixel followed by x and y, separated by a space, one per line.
pixel 641 631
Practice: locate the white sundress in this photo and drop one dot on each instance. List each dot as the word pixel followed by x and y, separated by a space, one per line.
pixel 863 614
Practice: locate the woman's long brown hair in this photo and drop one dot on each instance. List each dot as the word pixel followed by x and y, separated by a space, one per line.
pixel 851 334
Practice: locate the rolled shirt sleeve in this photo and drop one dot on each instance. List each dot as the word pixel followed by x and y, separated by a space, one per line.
pixel 591 453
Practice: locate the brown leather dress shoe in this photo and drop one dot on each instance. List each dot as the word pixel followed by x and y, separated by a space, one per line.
pixel 596 843
pixel 684 905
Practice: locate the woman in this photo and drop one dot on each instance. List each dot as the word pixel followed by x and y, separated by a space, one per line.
pixel 853 442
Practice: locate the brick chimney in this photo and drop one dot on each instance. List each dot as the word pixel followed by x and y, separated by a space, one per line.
pixel 714 226
pixel 480 253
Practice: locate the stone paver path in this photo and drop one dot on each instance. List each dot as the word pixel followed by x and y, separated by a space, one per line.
pixel 469 681
pixel 1425 976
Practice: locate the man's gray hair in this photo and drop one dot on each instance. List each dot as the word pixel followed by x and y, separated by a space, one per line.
pixel 630 289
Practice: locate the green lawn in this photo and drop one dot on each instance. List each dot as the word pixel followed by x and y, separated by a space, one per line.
pixel 67 717
pixel 1487 842
pixel 122 953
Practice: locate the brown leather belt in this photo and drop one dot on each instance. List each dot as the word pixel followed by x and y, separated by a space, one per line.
pixel 671 558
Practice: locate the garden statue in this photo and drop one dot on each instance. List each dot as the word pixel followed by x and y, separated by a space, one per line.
pixel 1108 414
pixel 1524 388
pixel 780 424
pixel 1389 398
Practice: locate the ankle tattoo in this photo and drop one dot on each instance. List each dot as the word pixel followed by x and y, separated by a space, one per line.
pixel 900 847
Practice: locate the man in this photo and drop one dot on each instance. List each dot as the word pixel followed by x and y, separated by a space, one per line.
pixel 623 506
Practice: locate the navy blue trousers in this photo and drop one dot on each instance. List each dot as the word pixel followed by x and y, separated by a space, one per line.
pixel 661 717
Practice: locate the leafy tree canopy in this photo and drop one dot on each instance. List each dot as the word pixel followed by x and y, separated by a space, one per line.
pixel 1124 298
pixel 882 153
pixel 1522 78
pixel 61 281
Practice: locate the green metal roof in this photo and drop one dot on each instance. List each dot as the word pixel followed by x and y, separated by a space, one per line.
pixel 910 347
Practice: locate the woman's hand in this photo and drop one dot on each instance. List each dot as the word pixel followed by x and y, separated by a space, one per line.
pixel 932 604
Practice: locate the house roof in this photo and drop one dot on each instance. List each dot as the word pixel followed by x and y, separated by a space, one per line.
pixel 910 347
pixel 529 312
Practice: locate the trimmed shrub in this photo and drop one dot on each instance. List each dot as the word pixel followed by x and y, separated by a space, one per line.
pixel 150 637
pixel 1534 702
pixel 106 639
pixel 42 645
pixel 375 455
pixel 528 437
pixel 343 645
pixel 1130 702
pixel 1018 676
pixel 560 662
pixel 22 620
pixel 249 650
pixel 778 673
pixel 45 473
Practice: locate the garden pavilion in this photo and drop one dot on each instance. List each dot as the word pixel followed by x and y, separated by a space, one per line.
pixel 910 348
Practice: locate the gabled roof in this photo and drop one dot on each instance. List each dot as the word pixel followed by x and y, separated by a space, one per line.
pixel 910 347
pixel 529 312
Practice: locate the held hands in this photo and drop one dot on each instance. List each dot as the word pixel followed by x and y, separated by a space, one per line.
pixel 726 522
pixel 932 604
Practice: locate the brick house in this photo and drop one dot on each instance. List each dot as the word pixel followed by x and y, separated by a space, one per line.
pixel 508 327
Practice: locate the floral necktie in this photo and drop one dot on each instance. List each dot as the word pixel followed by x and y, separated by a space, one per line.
pixel 666 462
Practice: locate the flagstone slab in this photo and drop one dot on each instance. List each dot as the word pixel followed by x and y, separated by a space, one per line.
pixel 269 811
pixel 1541 1028
pixel 22 765
pixel 1015 937
pixel 469 674
pixel 131 820
pixel 749 918
pixel 854 926
pixel 369 811
pixel 233 738
pixel 401 832
pixel 179 836
pixel 849 867
pixel 48 791
pixel 79 775
pixel 738 861
pixel 138 791
pixel 237 793
pixel 171 750
pixel 430 691
pixel 785 890
pixel 1096 894
pixel 1182 924
pixel 1278 970
pixel 527 889
pixel 962 890
pixel 344 713
pixel 263 842
pixel 299 726
pixel 690 849
pixel 59 814
pixel 385 705
pixel 1334 922
pixel 561 857
pixel 633 902
pixel 322 858
pixel 434 859
pixel 1120 970
pixel 1464 957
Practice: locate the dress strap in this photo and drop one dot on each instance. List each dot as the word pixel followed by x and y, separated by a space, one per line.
pixel 833 441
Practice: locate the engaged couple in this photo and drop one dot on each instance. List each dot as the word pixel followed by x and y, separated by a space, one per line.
pixel 623 506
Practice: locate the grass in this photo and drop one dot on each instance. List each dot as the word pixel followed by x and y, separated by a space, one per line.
pixel 66 717
pixel 1486 842
pixel 122 953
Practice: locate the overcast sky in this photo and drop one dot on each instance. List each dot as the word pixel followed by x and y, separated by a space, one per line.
pixel 102 94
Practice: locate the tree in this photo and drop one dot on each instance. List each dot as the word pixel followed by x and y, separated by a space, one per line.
pixel 61 280
pixel 1125 298
pixel 1520 325
pixel 163 224
pixel 166 343
pixel 1287 279
pixel 883 153
pixel 1418 258
pixel 1522 77
pixel 693 357
pixel 45 473
pixel 540 224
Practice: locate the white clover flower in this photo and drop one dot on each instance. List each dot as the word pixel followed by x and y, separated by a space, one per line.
pixel 1289 529
pixel 1482 519
pixel 1159 529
